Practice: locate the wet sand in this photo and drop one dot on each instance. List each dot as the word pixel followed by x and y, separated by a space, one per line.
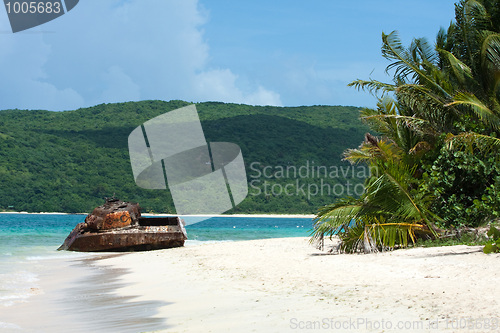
pixel 76 295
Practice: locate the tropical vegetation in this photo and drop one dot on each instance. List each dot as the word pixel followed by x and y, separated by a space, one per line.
pixel 494 244
pixel 436 153
pixel 69 161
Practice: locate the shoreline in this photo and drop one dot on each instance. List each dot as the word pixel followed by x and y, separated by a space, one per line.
pixel 277 284
pixel 71 295
pixel 43 213
pixel 241 215
pixel 206 215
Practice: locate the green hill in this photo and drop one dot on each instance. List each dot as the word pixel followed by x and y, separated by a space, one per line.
pixel 68 161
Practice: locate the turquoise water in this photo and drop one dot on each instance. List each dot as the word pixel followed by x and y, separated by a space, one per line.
pixel 246 228
pixel 21 233
pixel 26 240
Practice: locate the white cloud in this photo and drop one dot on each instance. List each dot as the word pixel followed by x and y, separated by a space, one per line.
pixel 24 81
pixel 120 86
pixel 263 96
pixel 220 85
pixel 110 51
pixel 308 84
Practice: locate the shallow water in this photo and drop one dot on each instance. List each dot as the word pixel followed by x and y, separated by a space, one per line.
pixel 29 242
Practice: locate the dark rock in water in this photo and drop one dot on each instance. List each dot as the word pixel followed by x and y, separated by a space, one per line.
pixel 118 226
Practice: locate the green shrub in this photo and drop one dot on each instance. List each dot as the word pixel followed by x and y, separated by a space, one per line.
pixel 494 244
pixel 465 186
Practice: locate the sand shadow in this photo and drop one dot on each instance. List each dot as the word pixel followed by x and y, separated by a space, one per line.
pixel 450 253
pixel 97 307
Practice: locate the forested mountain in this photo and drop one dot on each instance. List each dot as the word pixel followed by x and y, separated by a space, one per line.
pixel 68 161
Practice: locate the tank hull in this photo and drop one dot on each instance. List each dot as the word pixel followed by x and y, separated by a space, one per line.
pixel 152 234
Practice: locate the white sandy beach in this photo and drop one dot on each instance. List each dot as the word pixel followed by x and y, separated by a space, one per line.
pixel 271 285
pixel 279 285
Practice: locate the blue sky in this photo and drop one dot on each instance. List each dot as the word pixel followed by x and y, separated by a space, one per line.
pixel 260 52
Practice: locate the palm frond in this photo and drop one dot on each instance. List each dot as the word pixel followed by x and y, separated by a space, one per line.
pixel 403 65
pixel 372 86
pixel 422 102
pixel 421 90
pixel 471 141
pixel 410 122
pixel 386 127
pixel 391 234
pixel 379 235
pixel 362 154
pixel 460 70
pixel 481 110
pixel 423 52
pixel 331 218
pixel 491 51
pixel 476 14
pixel 374 153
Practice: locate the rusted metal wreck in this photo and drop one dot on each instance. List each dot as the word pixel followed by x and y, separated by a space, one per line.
pixel 119 226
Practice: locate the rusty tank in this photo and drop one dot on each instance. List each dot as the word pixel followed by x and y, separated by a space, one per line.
pixel 119 226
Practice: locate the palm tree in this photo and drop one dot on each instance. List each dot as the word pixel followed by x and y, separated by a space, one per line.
pixel 455 87
pixel 473 43
pixel 393 211
pixel 442 96
pixel 390 213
